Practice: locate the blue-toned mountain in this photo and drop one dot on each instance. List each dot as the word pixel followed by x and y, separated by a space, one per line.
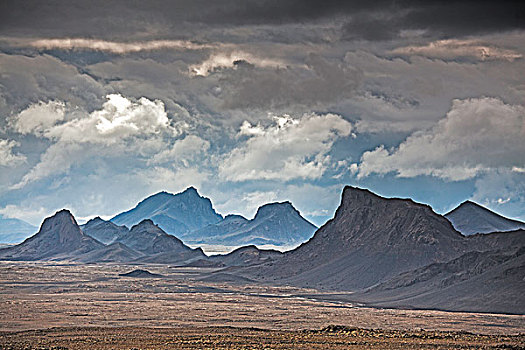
pixel 470 218
pixel 176 214
pixel 15 230
pixel 278 224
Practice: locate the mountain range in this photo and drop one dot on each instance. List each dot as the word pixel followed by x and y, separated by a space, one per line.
pixel 191 217
pixel 176 214
pixel 398 253
pixel 61 238
pixel 274 224
pixel 388 252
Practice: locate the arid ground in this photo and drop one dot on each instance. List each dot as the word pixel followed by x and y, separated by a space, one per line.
pixel 78 306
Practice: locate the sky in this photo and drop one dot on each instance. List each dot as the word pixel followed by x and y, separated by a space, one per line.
pixel 103 103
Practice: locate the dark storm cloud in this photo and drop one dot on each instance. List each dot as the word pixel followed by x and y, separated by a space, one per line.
pixel 370 20
pixel 442 19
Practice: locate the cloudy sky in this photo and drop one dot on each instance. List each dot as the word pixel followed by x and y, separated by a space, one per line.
pixel 103 103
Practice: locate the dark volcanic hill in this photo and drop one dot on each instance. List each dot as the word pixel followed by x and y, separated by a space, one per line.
pixel 275 223
pixel 141 274
pixel 158 246
pixel 370 240
pixel 470 218
pixel 174 213
pixel 15 230
pixel 103 231
pixel 59 237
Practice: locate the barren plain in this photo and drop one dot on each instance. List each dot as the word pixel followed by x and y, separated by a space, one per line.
pixel 53 305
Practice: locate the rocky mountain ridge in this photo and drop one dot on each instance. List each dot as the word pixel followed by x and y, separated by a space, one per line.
pixel 278 224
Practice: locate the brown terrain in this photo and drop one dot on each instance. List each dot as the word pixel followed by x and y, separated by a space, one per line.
pixel 46 305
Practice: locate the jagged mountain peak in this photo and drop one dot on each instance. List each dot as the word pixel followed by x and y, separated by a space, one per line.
pixel 275 208
pixel 174 213
pixel 95 220
pixel 62 218
pixel 363 194
pixel 358 199
pixel 144 224
pixel 190 191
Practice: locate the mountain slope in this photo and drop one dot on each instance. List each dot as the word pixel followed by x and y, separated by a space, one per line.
pixel 174 213
pixel 470 218
pixel 59 237
pixel 14 230
pixel 114 252
pixel 275 223
pixel 103 231
pixel 370 239
pixel 158 246
pixel 487 281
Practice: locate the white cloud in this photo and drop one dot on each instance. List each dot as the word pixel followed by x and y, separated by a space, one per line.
pixel 502 191
pixel 228 60
pixel 39 117
pixel 32 214
pixel 119 119
pixel 182 150
pixel 288 149
pixel 121 128
pixel 477 135
pixel 7 157
pixel 454 48
pixel 57 159
pixel 117 47
pixel 173 180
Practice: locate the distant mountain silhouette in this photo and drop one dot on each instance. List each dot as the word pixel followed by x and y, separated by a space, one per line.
pixel 471 218
pixel 103 231
pixel 176 214
pixel 274 224
pixel 158 246
pixel 15 230
pixel 59 237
